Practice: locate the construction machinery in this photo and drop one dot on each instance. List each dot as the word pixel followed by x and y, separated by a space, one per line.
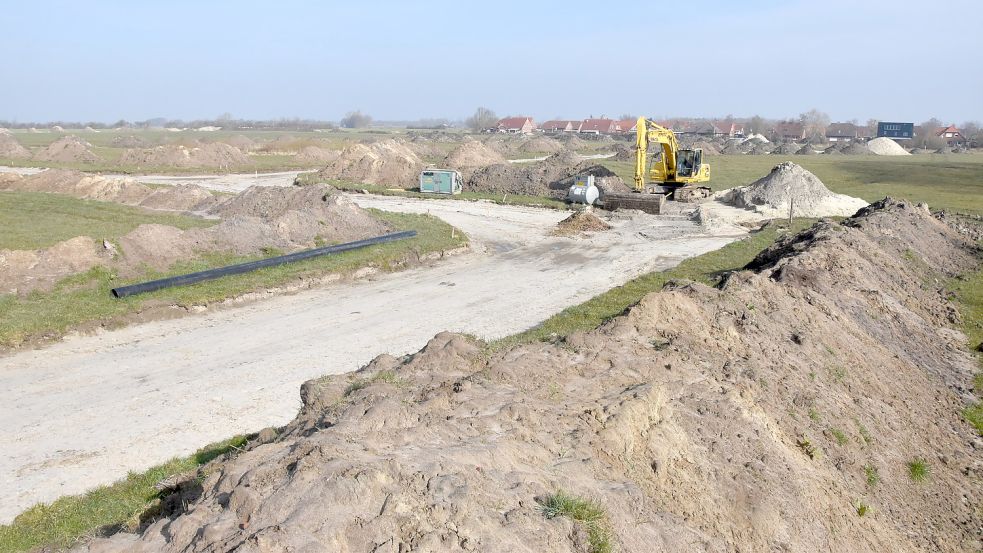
pixel 671 173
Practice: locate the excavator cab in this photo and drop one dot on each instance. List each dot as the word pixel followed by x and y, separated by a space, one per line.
pixel 688 162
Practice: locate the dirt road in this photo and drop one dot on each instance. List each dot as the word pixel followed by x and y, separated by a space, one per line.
pixel 83 412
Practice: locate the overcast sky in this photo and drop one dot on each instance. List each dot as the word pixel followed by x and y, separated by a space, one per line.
pixel 105 60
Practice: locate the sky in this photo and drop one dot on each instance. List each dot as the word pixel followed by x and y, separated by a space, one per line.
pixel 403 60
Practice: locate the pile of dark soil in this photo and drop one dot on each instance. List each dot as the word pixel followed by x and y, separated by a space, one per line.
pixel 777 412
pixel 580 222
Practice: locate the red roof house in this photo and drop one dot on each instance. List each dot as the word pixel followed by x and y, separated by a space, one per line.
pixel 516 125
pixel 599 126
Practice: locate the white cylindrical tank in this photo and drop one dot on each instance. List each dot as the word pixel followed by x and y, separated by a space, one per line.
pixel 583 191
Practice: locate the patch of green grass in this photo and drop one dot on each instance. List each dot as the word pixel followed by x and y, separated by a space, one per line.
pixel 85 298
pixel 918 470
pixel 708 268
pixel 807 447
pixel 305 179
pixel 953 182
pixel 32 220
pixel 871 475
pixel 362 383
pixel 974 415
pixel 839 436
pixel 862 508
pixel 814 415
pixel 838 373
pixel 586 512
pixel 66 520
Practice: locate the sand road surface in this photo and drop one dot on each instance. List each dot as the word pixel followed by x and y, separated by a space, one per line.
pixel 83 412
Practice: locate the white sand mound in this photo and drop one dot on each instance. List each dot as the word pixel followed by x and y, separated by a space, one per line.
pixel 884 146
pixel 789 183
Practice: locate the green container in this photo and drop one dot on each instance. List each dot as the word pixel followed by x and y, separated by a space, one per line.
pixel 440 181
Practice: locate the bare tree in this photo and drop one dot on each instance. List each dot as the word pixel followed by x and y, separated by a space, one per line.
pixel 814 123
pixel 971 131
pixel 872 126
pixel 627 116
pixel 482 119
pixel 925 136
pixel 757 125
pixel 356 120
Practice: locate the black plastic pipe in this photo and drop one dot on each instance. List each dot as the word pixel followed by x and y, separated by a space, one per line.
pixel 211 274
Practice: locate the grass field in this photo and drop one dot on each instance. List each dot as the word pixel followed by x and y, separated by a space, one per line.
pixel 85 299
pixel 32 220
pixel 942 181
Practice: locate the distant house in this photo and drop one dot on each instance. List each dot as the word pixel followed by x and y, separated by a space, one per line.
pixel 729 130
pixel 559 125
pixel 951 135
pixel 598 126
pixel 895 130
pixel 790 130
pixel 627 125
pixel 842 132
pixel 516 125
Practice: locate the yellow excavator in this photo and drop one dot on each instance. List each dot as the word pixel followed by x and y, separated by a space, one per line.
pixel 673 172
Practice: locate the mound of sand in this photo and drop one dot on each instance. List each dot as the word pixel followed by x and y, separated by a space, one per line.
pixel 22 271
pixel 702 419
pixel 884 146
pixel 261 217
pixel 314 154
pixel 572 141
pixel 708 148
pixel 540 144
pixel 214 155
pixel 580 222
pixel 388 162
pixel 471 155
pixel 807 150
pixel 788 182
pixel 10 148
pixel 67 149
pixel 119 190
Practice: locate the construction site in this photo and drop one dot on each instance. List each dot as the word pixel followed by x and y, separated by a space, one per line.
pixel 492 334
